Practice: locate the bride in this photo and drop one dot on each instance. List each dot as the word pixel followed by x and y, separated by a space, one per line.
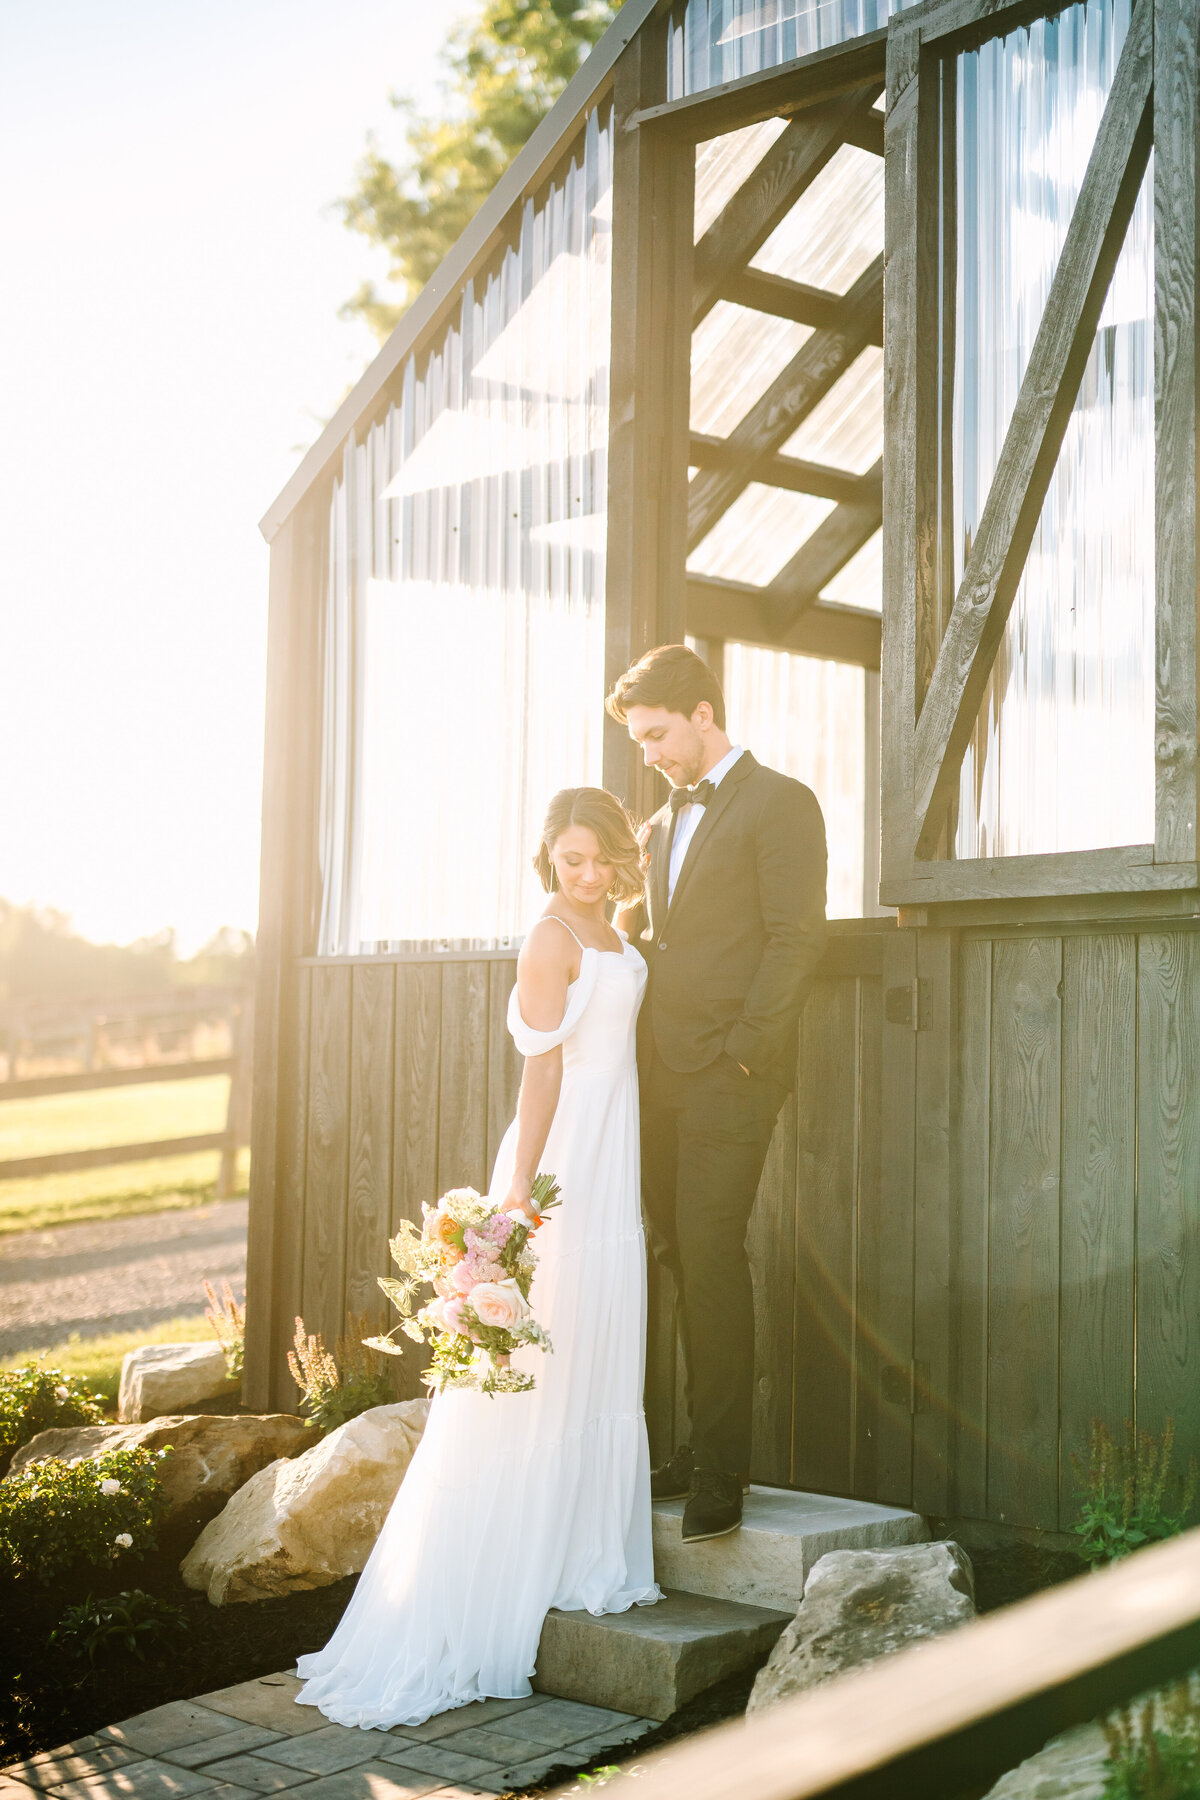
pixel 521 1502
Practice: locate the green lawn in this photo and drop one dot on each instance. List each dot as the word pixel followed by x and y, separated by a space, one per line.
pixel 98 1360
pixel 53 1122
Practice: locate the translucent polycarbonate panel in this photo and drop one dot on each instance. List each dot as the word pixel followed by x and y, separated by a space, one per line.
pixel 807 717
pixel 724 163
pixel 714 41
pixel 463 633
pixel 834 232
pixel 736 355
pixel 759 534
pixel 845 429
pixel 1062 757
pixel 860 581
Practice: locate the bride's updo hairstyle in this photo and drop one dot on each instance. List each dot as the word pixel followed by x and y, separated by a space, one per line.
pixel 606 818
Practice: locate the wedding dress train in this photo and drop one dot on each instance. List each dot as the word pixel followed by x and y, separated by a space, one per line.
pixel 517 1503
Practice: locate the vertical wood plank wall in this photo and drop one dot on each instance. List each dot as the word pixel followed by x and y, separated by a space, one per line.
pixel 971 1238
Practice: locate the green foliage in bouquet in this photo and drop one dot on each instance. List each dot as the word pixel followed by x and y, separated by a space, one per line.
pixel 54 1514
pixel 464 1232
pixel 132 1620
pixel 1154 1747
pixel 1131 1495
pixel 227 1317
pixel 34 1398
pixel 336 1385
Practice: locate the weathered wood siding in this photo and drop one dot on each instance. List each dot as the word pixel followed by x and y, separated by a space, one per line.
pixel 978 1227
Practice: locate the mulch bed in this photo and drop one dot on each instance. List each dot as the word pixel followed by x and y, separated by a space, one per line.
pixel 46 1701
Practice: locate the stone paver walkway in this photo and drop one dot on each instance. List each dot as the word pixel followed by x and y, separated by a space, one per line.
pixel 253 1740
pixel 151 1268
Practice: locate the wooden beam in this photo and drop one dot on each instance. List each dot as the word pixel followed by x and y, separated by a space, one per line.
pixel 789 399
pixel 653 187
pixel 62 1162
pixel 901 188
pixel 768 194
pixel 441 293
pixel 786 299
pixel 731 609
pixel 952 1715
pixel 832 544
pixel 1176 132
pixel 85 1081
pixel 1035 434
pixel 791 472
pixel 785 89
pixel 865 129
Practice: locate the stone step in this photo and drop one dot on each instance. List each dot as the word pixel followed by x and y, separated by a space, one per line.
pixel 783 1534
pixel 652 1660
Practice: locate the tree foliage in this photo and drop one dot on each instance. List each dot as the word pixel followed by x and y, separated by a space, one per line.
pixel 505 69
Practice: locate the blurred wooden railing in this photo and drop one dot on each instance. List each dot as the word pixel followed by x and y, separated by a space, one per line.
pixel 150 1038
pixel 945 1719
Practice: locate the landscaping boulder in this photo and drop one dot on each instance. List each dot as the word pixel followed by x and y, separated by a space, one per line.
pixel 306 1523
pixel 860 1605
pixel 169 1378
pixel 212 1456
pixel 1071 1767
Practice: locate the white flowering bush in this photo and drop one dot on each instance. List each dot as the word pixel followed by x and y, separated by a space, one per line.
pixel 55 1515
pixel 34 1398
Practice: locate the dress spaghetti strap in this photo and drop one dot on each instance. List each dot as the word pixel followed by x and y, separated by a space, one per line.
pixel 566 927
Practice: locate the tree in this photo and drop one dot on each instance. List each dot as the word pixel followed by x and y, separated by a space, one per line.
pixel 505 70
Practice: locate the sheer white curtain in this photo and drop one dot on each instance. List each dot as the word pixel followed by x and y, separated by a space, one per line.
pixel 464 615
pixel 1063 754
pixel 807 717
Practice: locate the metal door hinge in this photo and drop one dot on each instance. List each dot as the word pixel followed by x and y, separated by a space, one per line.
pixel 909 1005
pixel 905 1386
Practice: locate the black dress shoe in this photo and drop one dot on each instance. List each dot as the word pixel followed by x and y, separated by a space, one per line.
pixel 714 1505
pixel 671 1479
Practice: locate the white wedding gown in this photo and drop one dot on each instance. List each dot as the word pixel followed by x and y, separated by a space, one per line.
pixel 520 1502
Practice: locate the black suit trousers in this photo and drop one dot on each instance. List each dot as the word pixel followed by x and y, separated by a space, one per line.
pixel 705 1137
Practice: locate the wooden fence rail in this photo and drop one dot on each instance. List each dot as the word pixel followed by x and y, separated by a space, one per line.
pixel 178 1010
pixel 944 1719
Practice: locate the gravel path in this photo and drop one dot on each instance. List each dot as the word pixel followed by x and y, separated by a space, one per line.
pixel 116 1274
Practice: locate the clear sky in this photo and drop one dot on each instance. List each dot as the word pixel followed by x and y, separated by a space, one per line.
pixel 169 343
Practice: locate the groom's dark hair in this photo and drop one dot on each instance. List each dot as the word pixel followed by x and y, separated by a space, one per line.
pixel 672 676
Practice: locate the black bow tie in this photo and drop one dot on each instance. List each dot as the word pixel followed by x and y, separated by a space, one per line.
pixel 700 795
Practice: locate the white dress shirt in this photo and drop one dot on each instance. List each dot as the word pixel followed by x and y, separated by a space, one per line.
pixel 688 818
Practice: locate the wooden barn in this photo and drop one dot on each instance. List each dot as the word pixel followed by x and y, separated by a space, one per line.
pixel 859 349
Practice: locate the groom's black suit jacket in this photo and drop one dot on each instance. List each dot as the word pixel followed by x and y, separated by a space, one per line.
pixel 732 957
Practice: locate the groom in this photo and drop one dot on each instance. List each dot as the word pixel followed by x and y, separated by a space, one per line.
pixel 732 927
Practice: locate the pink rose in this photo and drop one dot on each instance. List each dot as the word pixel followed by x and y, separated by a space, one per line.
pixel 464 1277
pixel 499 1304
pixel 435 1314
pixel 452 1313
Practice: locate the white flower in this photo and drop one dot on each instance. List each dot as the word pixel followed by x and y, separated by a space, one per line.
pixel 35 1493
pixel 110 1487
pixel 124 1540
pixel 61 1392
pixel 74 1462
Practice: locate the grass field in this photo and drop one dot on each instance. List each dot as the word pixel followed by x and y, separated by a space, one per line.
pixel 98 1360
pixel 54 1122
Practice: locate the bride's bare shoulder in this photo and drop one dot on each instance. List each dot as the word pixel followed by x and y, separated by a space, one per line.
pixel 550 949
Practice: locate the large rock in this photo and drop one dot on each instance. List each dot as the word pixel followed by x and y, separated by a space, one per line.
pixel 1071 1767
pixel 212 1456
pixel 306 1523
pixel 169 1378
pixel 860 1605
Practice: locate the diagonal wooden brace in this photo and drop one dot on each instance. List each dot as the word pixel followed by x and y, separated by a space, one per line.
pixel 1034 438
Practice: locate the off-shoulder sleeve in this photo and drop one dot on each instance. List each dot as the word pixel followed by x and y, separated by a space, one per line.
pixel 534 1043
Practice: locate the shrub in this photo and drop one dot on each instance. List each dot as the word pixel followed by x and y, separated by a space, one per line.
pixel 56 1514
pixel 34 1398
pixel 1131 1495
pixel 228 1320
pixel 1154 1748
pixel 132 1621
pixel 338 1385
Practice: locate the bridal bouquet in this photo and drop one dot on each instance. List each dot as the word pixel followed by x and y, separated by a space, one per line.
pixel 480 1264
